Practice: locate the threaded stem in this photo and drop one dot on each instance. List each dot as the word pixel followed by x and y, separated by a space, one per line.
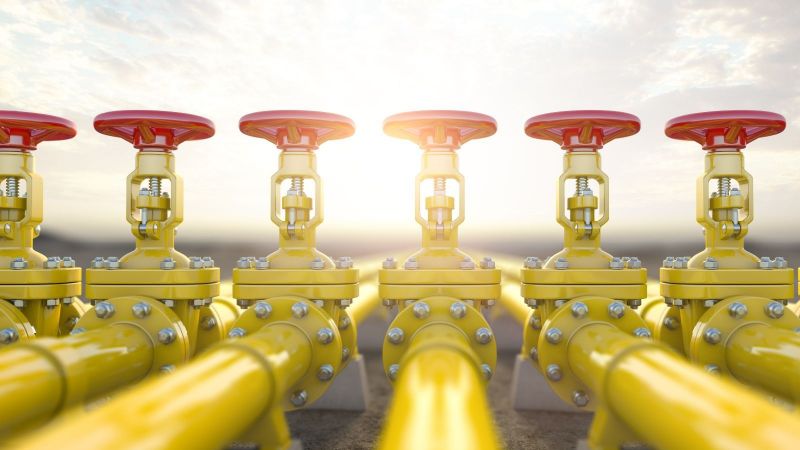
pixel 581 184
pixel 12 187
pixel 723 186
pixel 155 187
pixel 440 185
pixel 297 185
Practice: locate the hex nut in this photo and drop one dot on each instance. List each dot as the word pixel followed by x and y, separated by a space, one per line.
pixel 195 262
pixel 534 354
pixel 262 310
pixel 8 336
pixel 299 310
pixel 18 264
pixel 553 336
pixel 579 310
pixel 421 310
pixel 393 371
pixel 466 264
pixel 317 264
pixel 616 264
pixel 389 263
pixel 167 264
pixel 487 263
pixel 712 336
pixel 141 310
pixel 774 309
pixel 616 310
pixel 325 372
pixel 642 332
pixel 486 370
pixel 325 335
pixel 483 335
pixel 458 310
pixel 208 323
pixel 103 310
pixel 532 262
pixel 395 335
pixel 737 310
pixel 237 332
pixel 553 372
pixel 562 263
pixel 167 336
pixel 411 264
pixel 580 399
pixel 711 264
pixel 299 398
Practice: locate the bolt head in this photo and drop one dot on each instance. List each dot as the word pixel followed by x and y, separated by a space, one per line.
pixel 389 263
pixel 208 323
pixel 393 371
pixel 553 372
pixel 458 310
pixel 580 399
pixel 579 310
pixel 562 263
pixel 553 336
pixel 535 321
pixel 8 336
pixel 534 353
pixel 299 310
pixel 103 310
pixel 411 264
pixel 237 332
pixel 532 262
pixel 774 309
pixel 421 310
pixel 616 264
pixel 317 264
pixel 711 264
pixel 487 263
pixel 713 369
pixel 299 398
pixel 18 264
pixel 395 335
pixel 712 336
pixel 344 322
pixel 483 335
pixel 642 332
pixel 167 335
pixel 466 264
pixel 141 310
pixel 671 323
pixel 325 336
pixel 195 262
pixel 737 310
pixel 262 310
pixel 616 310
pixel 486 370
pixel 167 264
pixel 325 372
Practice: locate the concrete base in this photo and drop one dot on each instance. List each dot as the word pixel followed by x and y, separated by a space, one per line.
pixel 530 390
pixel 348 391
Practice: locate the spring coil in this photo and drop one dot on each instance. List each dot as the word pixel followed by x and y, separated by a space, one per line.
pixel 581 185
pixel 11 187
pixel 723 186
pixel 297 185
pixel 155 187
pixel 440 184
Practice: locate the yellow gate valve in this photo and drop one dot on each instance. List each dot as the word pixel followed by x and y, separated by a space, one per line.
pixel 298 284
pixel 175 294
pixel 38 294
pixel 439 286
pixel 725 300
pixel 582 268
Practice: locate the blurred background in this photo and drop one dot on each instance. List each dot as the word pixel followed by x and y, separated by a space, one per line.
pixel 367 60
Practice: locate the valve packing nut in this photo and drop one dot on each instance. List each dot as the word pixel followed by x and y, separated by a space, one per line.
pixel 616 310
pixel 737 310
pixel 579 310
pixel 104 310
pixel 486 370
pixel 554 336
pixel 395 335
pixel 580 399
pixel 562 263
pixel 642 332
pixel 487 263
pixel 711 263
pixel 774 309
pixel 141 310
pixel 466 264
pixel 389 263
pixel 392 372
pixel 237 332
pixel 458 310
pixel 299 310
pixel 483 335
pixel 317 264
pixel 262 310
pixel 713 336
pixel 8 336
pixel 325 336
pixel 167 336
pixel 616 264
pixel 553 372
pixel 421 310
pixel 299 398
pixel 167 264
pixel 325 372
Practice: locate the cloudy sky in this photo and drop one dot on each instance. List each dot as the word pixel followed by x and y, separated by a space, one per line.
pixel 368 59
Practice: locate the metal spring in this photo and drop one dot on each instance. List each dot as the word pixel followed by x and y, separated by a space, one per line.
pixel 440 184
pixel 723 186
pixel 11 187
pixel 297 185
pixel 581 184
pixel 155 187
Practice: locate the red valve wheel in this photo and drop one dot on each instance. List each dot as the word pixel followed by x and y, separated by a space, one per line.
pixel 431 129
pixel 23 131
pixel 154 130
pixel 582 129
pixel 295 129
pixel 725 129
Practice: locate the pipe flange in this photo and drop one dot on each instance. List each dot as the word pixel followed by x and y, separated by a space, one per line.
pixel 71 313
pixel 349 333
pixel 558 330
pixel 321 332
pixel 216 321
pixel 710 335
pixel 442 310
pixel 665 323
pixel 530 336
pixel 166 331
pixel 14 326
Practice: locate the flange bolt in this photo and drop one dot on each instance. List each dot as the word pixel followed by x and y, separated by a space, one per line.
pixel 616 310
pixel 712 336
pixel 737 310
pixel 553 372
pixel 104 310
pixel 299 310
pixel 483 335
pixel 325 372
pixel 458 310
pixel 579 310
pixel 553 336
pixel 262 310
pixel 141 310
pixel 167 336
pixel 421 310
pixel 395 335
pixel 774 309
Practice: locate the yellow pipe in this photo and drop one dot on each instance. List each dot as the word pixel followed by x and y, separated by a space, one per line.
pixel 511 302
pixel 668 403
pixel 440 396
pixel 43 377
pixel 767 357
pixel 206 404
pixel 367 302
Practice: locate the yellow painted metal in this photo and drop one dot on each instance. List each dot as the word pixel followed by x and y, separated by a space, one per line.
pixel 795 308
pixel 440 399
pixel 664 322
pixel 14 326
pixel 216 321
pixel 755 358
pixel 45 376
pixel 39 285
pixel 367 302
pixel 510 300
pixel 648 393
pixel 245 378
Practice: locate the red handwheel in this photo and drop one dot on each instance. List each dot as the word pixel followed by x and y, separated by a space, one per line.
pixel 716 130
pixel 440 129
pixel 23 131
pixel 295 129
pixel 582 129
pixel 154 130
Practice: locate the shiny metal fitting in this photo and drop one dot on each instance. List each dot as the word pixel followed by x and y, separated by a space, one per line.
pixel 167 335
pixel 395 335
pixel 325 335
pixel 483 335
pixel 103 310
pixel 616 310
pixel 237 332
pixel 579 310
pixel 141 310
pixel 458 310
pixel 554 336
pixel 262 310
pixel 421 310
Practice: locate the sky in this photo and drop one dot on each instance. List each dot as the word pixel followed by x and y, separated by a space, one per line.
pixel 369 59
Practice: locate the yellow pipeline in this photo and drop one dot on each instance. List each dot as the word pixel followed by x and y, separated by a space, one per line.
pixel 366 303
pixel 206 404
pixel 512 303
pixel 42 377
pixel 668 403
pixel 767 357
pixel 440 396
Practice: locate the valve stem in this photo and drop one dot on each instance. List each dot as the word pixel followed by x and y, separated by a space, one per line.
pixel 723 186
pixel 297 186
pixel 155 187
pixel 12 188
pixel 439 186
